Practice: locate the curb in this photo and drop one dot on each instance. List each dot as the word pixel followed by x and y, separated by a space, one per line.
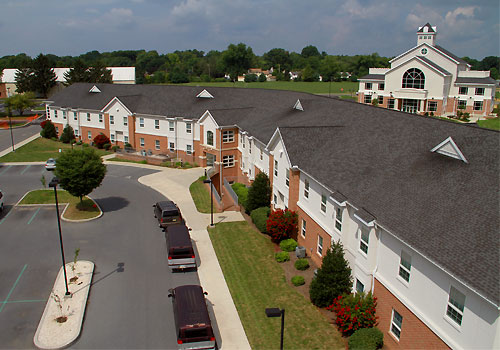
pixel 53 335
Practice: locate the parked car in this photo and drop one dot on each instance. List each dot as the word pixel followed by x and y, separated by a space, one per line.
pixel 167 213
pixel 192 322
pixel 1 201
pixel 180 248
pixel 50 164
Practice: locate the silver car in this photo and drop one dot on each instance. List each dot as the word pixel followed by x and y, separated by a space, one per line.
pixel 50 164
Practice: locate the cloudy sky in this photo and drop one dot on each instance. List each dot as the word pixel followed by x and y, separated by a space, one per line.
pixel 339 27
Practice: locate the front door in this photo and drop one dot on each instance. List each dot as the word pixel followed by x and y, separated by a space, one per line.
pixel 211 159
pixel 410 105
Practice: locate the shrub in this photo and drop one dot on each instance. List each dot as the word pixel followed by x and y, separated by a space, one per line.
pixel 68 134
pixel 298 281
pixel 354 311
pixel 144 161
pixel 301 264
pixel 366 339
pixel 106 146
pixel 42 124
pixel 49 130
pixel 332 279
pixel 259 194
pixel 288 245
pixel 128 145
pixel 100 140
pixel 281 224
pixel 242 192
pixel 85 145
pixel 259 218
pixel 115 148
pixel 262 78
pixel 251 78
pixel 79 142
pixel 178 164
pixel 282 256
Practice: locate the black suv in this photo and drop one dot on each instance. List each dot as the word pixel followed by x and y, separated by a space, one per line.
pixel 167 213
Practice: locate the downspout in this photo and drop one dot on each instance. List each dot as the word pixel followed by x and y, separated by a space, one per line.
pixel 176 141
pixel 378 256
pixel 220 163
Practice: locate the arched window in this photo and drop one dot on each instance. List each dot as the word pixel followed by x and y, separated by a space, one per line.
pixel 413 78
pixel 210 138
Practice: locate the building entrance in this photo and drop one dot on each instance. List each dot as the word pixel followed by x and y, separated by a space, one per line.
pixel 409 105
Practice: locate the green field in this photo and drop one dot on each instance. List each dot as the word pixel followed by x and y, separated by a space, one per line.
pixel 256 282
pixel 493 124
pixel 40 150
pixel 312 87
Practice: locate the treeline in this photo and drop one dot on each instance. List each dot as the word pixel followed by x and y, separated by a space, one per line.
pixel 195 65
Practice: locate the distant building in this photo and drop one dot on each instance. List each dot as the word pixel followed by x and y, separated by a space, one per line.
pixel 120 75
pixel 429 79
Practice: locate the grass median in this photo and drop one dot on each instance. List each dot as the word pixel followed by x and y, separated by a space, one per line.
pixel 257 282
pixel 201 196
pixel 88 209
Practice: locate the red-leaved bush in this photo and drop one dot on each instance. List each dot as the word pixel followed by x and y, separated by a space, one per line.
pixel 42 124
pixel 281 224
pixel 100 140
pixel 354 311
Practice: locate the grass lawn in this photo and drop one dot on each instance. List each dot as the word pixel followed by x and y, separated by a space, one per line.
pixel 493 124
pixel 311 87
pixel 116 159
pixel 40 150
pixel 201 196
pixel 75 211
pixel 257 282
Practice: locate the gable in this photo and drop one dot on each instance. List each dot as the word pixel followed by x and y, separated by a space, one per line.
pixel 450 149
pixel 115 103
pixel 430 53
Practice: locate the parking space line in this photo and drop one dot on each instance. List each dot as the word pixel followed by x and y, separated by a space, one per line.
pixel 5 217
pixel 12 289
pixel 22 172
pixel 4 170
pixel 36 212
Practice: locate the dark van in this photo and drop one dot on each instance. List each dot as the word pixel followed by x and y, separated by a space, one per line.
pixel 167 213
pixel 192 322
pixel 180 248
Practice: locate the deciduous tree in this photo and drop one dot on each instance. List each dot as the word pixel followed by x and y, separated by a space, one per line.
pixel 237 59
pixel 44 77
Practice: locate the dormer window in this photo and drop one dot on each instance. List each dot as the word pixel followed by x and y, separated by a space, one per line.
pixel 94 89
pixel 204 94
pixel 450 149
pixel 298 106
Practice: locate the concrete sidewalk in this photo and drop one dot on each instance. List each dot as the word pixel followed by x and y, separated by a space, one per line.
pixel 174 184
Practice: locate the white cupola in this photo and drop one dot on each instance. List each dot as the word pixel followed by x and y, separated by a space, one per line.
pixel 426 34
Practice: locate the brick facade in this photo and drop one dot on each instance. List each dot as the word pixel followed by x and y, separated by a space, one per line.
pixel 414 333
pixel 310 241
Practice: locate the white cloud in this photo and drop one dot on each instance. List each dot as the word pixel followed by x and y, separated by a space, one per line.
pixel 460 12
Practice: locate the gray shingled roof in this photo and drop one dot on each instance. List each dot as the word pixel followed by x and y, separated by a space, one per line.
pixel 372 77
pixel 429 28
pixel 466 80
pixel 455 57
pixel 378 159
pixel 439 68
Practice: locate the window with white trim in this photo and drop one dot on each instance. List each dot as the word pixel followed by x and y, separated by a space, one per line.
pixel 306 188
pixel 478 105
pixel 323 203
pixel 463 90
pixel 480 91
pixel 320 245
pixel 101 118
pixel 287 179
pixel 228 161
pixel 189 149
pixel 125 138
pixel 462 104
pixel 360 287
pixel 76 133
pixel 227 136
pixel 75 116
pixel 275 167
pixel 275 199
pixel 364 238
pixel 188 128
pixel 390 104
pixel 250 147
pixel 368 86
pixel 64 114
pixel 405 266
pixel 456 305
pixel 396 324
pixel 242 140
pixel 89 135
pixel 261 155
pixel 338 219
pixel 171 147
pixel 433 105
pixel 142 141
pixel 210 138
pixel 381 100
pixel 111 119
pixel 141 122
pixel 112 137
pixel 125 121
pixel 88 117
pixel 157 144
pixel 381 86
pixel 171 126
pixel 368 99
pixel 157 124
pixel 303 231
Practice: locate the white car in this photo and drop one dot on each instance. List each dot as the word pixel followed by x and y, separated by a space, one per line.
pixel 50 164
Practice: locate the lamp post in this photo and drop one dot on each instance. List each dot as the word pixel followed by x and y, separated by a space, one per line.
pixel 276 312
pixel 53 183
pixel 10 127
pixel 209 181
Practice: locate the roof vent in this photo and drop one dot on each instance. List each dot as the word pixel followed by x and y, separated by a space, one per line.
pixel 204 94
pixel 450 149
pixel 298 106
pixel 95 89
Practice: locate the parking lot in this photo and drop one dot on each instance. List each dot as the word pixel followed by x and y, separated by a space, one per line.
pixel 128 306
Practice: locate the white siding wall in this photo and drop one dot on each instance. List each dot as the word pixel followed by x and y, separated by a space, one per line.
pixel 118 128
pixel 279 185
pixel 426 295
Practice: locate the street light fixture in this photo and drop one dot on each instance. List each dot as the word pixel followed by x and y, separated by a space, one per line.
pixel 276 312
pixel 53 183
pixel 209 181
